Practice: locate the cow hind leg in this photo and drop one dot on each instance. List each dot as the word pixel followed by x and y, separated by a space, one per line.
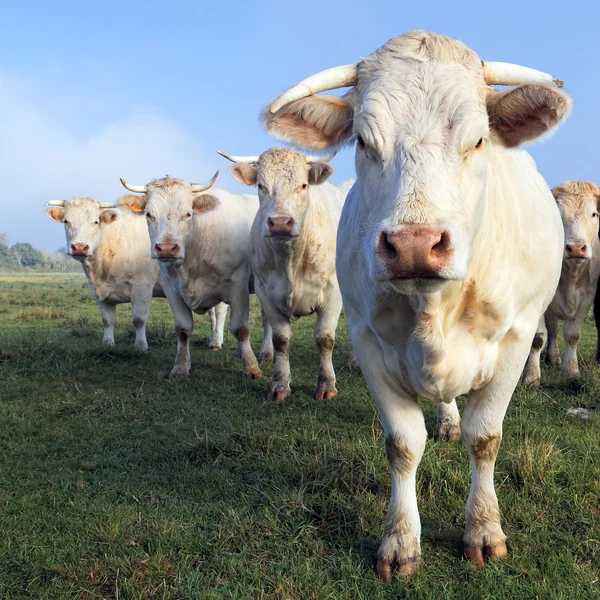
pixel 266 348
pixel 572 331
pixel 553 353
pixel 597 321
pixel 238 323
pixel 280 388
pixel 217 315
pixel 327 320
pixel 533 372
pixel 109 318
pixel 184 325
pixel 140 311
pixel 447 428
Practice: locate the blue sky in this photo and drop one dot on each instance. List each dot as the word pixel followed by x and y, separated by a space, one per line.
pixel 90 91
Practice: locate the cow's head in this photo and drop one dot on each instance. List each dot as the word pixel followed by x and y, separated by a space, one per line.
pixel 426 122
pixel 84 219
pixel 169 205
pixel 283 178
pixel 579 203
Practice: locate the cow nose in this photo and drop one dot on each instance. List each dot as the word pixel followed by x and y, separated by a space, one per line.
pixel 79 249
pixel 414 252
pixel 166 249
pixel 281 224
pixel 576 250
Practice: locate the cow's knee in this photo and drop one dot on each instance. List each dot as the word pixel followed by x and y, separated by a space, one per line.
pixel 401 458
pixel 281 342
pixel 484 449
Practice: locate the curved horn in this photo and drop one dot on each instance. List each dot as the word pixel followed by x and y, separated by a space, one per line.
pixel 55 203
pixel 499 73
pixel 249 160
pixel 138 189
pixel 103 205
pixel 330 79
pixel 313 159
pixel 202 187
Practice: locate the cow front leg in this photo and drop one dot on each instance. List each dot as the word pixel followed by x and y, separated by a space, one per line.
pixel 571 332
pixel 217 315
pixel 533 372
pixel 140 311
pixel 109 318
pixel 482 432
pixel 553 353
pixel 405 438
pixel 447 427
pixel 266 348
pixel 282 377
pixel 184 325
pixel 238 323
pixel 597 320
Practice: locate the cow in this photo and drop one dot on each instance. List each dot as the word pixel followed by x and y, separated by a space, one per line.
pixel 112 247
pixel 292 254
pixel 448 249
pixel 201 242
pixel 579 203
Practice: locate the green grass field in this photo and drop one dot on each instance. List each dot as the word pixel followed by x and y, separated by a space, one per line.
pixel 118 483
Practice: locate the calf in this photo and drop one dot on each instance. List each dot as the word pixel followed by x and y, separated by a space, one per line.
pixel 448 249
pixel 578 203
pixel 292 254
pixel 201 241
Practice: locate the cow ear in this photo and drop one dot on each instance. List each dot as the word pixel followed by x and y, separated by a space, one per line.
pixel 319 173
pixel 132 203
pixel 56 212
pixel 205 202
pixel 108 216
pixel 246 174
pixel 314 123
pixel 525 113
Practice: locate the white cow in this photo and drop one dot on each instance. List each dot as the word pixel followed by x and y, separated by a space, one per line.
pixel 201 240
pixel 578 202
pixel 448 250
pixel 292 254
pixel 112 247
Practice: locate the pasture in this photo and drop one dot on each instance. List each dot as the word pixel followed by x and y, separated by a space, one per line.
pixel 118 483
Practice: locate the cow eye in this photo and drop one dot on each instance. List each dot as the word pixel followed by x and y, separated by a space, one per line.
pixel 260 186
pixel 149 216
pixel 361 141
pixel 188 216
pixel 479 143
pixel 66 223
pixel 594 215
pixel 304 186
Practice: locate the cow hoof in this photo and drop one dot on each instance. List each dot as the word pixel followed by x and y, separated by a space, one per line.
pixel 265 357
pixel 325 391
pixel 352 362
pixel 179 374
pixel 532 379
pixel 385 567
pixel 215 348
pixel 108 342
pixel 478 554
pixel 255 375
pixel 140 348
pixel 447 432
pixel 553 359
pixel 278 393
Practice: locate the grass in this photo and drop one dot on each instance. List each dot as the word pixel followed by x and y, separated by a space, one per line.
pixel 118 483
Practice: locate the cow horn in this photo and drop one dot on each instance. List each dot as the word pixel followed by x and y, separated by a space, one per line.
pixel 202 187
pixel 499 73
pixel 249 160
pixel 330 79
pixel 55 203
pixel 138 189
pixel 103 205
pixel 314 159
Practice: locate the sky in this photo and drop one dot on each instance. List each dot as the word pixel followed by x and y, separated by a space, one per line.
pixel 92 91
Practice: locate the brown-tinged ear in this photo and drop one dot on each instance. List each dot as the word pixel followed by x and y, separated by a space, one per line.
pixel 56 212
pixel 132 203
pixel 319 173
pixel 108 216
pixel 526 113
pixel 246 174
pixel 315 123
pixel 205 202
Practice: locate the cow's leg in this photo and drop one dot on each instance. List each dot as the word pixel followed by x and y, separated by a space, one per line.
pixel 481 432
pixel 352 362
pixel 533 372
pixel 109 318
pixel 405 438
pixel 571 332
pixel 553 353
pixel 282 377
pixel 447 427
pixel 266 348
pixel 140 311
pixel 597 320
pixel 217 315
pixel 327 320
pixel 238 324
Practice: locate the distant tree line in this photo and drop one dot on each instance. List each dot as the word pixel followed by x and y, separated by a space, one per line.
pixel 22 256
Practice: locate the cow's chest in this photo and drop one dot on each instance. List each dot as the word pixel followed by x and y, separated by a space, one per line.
pixel 293 297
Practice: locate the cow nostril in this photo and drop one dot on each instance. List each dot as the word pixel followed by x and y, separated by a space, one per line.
pixel 386 248
pixel 442 246
pixel 583 249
